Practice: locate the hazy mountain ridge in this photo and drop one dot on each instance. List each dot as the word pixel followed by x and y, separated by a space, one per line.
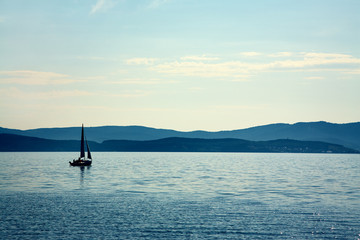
pixel 18 143
pixel 347 134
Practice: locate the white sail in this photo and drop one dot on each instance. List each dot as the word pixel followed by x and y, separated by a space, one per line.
pixel 88 150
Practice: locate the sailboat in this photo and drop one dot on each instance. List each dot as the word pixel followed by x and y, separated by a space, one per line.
pixel 82 161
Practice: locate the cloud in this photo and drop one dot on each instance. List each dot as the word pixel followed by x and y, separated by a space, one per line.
pixel 99 4
pixel 199 58
pixel 142 81
pixel 354 71
pixel 237 70
pixel 28 96
pixel 201 67
pixel 18 94
pixel 281 54
pixel 240 107
pixel 95 58
pixel 131 94
pixel 250 54
pixel 327 55
pixel 140 61
pixel 157 3
pixel 314 78
pixel 102 5
pixel 316 60
pixel 26 77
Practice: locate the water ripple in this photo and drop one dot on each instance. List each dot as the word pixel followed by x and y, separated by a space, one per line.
pixel 180 196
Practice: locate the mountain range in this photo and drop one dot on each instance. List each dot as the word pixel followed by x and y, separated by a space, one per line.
pixel 18 143
pixel 347 134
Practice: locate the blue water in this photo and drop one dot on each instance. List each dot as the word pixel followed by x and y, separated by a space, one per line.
pixel 180 196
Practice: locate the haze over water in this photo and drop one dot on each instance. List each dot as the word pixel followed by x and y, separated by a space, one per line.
pixel 180 196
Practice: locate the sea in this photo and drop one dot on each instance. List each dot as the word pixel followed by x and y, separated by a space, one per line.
pixel 132 195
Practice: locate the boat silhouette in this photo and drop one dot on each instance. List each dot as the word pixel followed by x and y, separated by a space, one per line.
pixel 82 160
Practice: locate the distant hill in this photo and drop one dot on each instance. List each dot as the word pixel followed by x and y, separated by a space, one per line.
pixel 97 134
pixel 224 145
pixel 14 143
pixel 18 143
pixel 347 134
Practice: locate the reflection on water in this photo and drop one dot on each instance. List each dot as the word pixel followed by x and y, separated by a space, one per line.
pixel 180 196
pixel 83 169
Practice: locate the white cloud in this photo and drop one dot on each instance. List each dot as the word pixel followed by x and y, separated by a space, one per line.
pixel 102 5
pixel 99 4
pixel 63 94
pixel 95 58
pixel 354 71
pixel 250 54
pixel 18 94
pixel 199 58
pixel 317 59
pixel 26 77
pixel 132 94
pixel 240 107
pixel 201 67
pixel 281 54
pixel 142 81
pixel 140 61
pixel 314 78
pixel 327 55
pixel 157 3
pixel 29 96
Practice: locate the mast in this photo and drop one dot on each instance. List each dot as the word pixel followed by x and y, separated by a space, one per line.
pixel 82 147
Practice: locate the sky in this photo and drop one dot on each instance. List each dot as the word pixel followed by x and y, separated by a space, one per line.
pixel 178 64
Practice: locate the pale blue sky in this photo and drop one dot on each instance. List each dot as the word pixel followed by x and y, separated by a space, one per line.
pixel 180 64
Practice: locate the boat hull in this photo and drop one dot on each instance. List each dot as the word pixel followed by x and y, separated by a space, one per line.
pixel 81 163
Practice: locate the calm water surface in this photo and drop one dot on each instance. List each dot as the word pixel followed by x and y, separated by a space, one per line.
pixel 180 196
